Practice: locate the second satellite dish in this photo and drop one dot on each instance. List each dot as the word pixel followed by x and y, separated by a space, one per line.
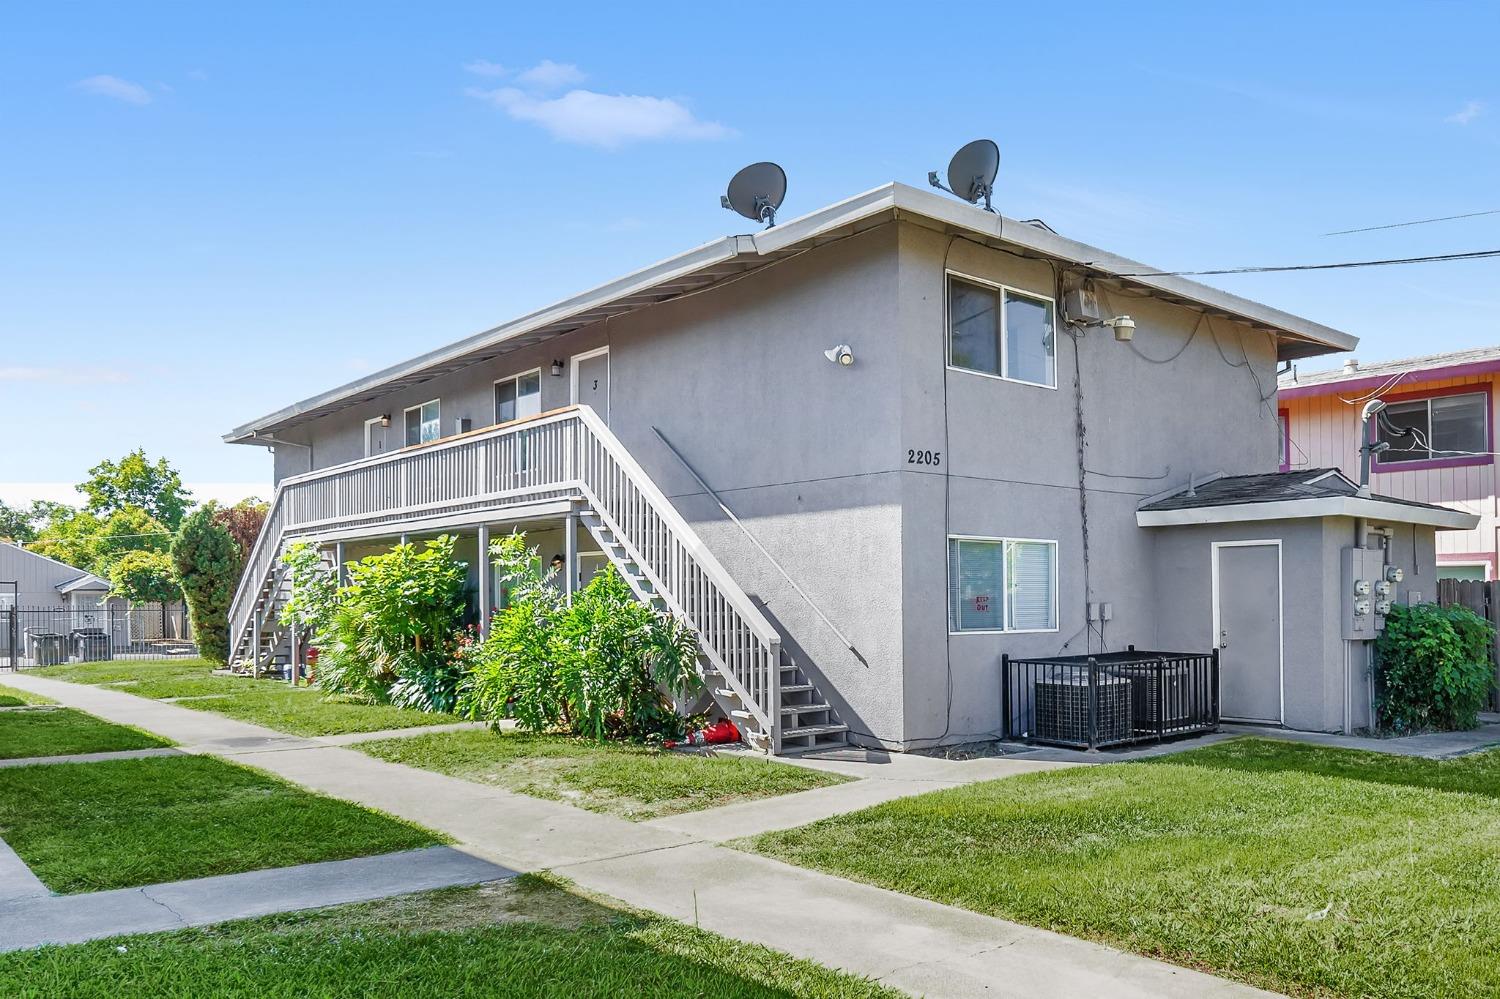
pixel 971 172
pixel 756 192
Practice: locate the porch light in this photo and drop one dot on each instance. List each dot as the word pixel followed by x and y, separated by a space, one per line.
pixel 385 421
pixel 557 369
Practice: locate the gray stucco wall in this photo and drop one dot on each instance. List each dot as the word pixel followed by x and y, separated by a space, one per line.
pixel 1011 468
pixel 813 456
pixel 1312 590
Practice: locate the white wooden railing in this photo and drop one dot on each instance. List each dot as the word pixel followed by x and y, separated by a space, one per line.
pixel 567 453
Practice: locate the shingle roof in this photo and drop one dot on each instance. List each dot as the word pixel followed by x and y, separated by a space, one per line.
pixel 1386 369
pixel 1272 487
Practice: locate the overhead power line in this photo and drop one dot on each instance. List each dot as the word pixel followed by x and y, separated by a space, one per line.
pixel 1438 258
pixel 1400 225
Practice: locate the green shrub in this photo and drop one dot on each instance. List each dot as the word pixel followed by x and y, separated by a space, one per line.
pixel 393 636
pixel 1433 668
pixel 208 563
pixel 604 666
pixel 312 593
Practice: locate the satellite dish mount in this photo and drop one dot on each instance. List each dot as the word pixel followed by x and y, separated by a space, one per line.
pixel 756 192
pixel 971 173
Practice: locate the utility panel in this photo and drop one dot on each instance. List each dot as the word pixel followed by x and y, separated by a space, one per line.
pixel 1368 586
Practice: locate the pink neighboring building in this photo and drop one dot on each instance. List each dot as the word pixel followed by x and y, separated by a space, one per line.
pixel 1449 399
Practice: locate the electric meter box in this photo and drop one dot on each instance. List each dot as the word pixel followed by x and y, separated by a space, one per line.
pixel 1361 570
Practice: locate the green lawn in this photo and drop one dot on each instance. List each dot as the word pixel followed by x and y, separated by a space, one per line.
pixel 10 697
pixel 90 826
pixel 631 781
pixel 272 703
pixel 530 937
pixel 1312 871
pixel 65 732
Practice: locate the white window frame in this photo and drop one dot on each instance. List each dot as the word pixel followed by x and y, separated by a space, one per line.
pixel 1465 564
pixel 953 628
pixel 438 402
pixel 517 379
pixel 1003 290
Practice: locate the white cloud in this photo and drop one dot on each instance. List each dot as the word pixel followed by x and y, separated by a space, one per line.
pixel 116 88
pixel 607 120
pixel 1466 114
pixel 549 75
pixel 483 67
pixel 63 376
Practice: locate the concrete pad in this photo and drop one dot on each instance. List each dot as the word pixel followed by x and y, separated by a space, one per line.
pixel 16 879
pixel 64 919
pixel 913 944
pixel 124 754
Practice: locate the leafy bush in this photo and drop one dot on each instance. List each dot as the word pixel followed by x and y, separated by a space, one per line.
pixel 208 564
pixel 603 666
pixel 144 577
pixel 312 591
pixel 1433 665
pixel 393 636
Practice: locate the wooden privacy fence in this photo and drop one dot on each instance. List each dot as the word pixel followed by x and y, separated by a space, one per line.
pixel 1481 597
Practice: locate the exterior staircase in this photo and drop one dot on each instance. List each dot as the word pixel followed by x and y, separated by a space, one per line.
pixel 808 721
pixel 569 462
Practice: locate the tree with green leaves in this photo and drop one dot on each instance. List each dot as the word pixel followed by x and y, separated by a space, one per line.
pixel 144 577
pixel 16 523
pixel 155 487
pixel 208 562
pixel 90 542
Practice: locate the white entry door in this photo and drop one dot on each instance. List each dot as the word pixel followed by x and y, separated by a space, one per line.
pixel 591 381
pixel 375 436
pixel 1247 629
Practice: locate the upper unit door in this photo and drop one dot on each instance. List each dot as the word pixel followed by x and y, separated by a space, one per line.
pixel 591 381
pixel 1247 629
pixel 374 437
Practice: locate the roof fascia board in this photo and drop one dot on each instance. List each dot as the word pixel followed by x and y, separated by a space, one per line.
pixel 1375 381
pixel 1333 506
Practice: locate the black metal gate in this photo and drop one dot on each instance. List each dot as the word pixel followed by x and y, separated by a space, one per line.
pixel 47 636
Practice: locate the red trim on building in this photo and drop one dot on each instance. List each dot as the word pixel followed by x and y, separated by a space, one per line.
pixel 1295 391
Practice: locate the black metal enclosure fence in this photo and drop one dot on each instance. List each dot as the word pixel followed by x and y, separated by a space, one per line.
pixel 46 636
pixel 1110 699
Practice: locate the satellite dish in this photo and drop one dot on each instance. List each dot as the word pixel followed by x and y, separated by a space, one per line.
pixel 971 172
pixel 756 192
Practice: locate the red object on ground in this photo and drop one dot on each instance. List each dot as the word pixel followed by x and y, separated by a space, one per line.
pixel 721 733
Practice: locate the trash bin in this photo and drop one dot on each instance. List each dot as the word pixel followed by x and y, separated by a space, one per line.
pixel 47 648
pixel 90 645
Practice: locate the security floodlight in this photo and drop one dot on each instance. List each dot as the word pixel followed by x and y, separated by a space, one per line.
pixel 841 355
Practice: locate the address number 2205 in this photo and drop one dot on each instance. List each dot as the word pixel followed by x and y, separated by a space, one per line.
pixel 917 457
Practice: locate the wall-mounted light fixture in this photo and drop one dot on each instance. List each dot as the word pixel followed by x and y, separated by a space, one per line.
pixel 557 369
pixel 385 421
pixel 842 355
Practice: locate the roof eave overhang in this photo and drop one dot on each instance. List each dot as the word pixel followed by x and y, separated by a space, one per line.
pixel 732 256
pixel 1358 383
pixel 1369 508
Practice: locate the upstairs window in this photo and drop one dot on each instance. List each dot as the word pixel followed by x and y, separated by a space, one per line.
pixel 1443 427
pixel 1000 584
pixel 518 397
pixel 1002 332
pixel 424 423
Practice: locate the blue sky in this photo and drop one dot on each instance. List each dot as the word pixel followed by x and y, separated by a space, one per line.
pixel 211 210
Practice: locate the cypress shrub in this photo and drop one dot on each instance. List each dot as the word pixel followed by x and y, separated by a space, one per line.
pixel 208 563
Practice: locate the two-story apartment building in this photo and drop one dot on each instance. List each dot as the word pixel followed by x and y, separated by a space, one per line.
pixel 1449 400
pixel 867 452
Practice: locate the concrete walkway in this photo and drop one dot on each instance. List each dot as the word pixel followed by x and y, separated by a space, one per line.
pixel 909 943
pixel 36 919
pixel 122 754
